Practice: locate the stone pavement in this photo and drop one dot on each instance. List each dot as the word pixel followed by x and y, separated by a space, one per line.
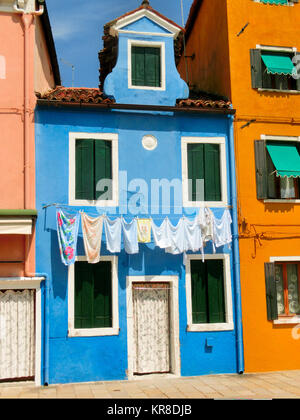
pixel 269 385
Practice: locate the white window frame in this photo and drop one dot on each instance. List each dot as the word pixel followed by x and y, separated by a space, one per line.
pixel 290 319
pixel 277 49
pixel 113 137
pixel 223 171
pixel 288 139
pixel 93 332
pixel 138 43
pixel 225 326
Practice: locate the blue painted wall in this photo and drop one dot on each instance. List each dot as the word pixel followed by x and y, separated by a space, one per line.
pixel 105 358
pixel 175 88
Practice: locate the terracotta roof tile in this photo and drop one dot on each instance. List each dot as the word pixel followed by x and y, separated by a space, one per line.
pixel 95 96
pixel 77 95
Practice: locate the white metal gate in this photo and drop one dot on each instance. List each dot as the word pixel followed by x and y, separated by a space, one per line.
pixel 17 342
pixel 151 328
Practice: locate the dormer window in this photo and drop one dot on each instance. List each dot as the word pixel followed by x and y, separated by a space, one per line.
pixel 146 65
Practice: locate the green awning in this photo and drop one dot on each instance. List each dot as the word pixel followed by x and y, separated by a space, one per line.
pixel 278 64
pixel 274 1
pixel 285 158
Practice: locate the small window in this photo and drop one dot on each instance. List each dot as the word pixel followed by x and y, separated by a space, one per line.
pixel 146 66
pixel 277 169
pixel 207 287
pixel 282 290
pixel 93 295
pixel 273 70
pixel 288 288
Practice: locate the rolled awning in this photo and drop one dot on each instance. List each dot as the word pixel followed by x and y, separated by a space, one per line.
pixel 278 64
pixel 286 159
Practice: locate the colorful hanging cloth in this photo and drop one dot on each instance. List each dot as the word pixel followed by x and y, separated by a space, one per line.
pixel 67 232
pixel 144 230
pixel 92 235
pixel 130 236
pixel 113 231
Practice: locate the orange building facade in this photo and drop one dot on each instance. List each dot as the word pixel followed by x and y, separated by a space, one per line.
pixel 247 51
pixel 28 64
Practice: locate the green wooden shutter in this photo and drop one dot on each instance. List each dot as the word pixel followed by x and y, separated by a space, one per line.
pixel 84 169
pixel 102 313
pixel 271 293
pixel 199 292
pixel 195 152
pixel 215 287
pixel 103 164
pixel 261 169
pixel 256 68
pixel 152 67
pixel 138 66
pixel 83 295
pixel 212 175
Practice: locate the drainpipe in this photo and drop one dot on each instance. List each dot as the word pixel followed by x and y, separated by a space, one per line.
pixel 236 253
pixel 27 20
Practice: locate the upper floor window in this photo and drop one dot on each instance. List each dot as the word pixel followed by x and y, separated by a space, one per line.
pixel 277 169
pixel 93 171
pixel 203 171
pixel 146 65
pixel 273 68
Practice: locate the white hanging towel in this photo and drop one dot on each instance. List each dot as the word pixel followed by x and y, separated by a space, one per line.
pixel 176 236
pixel 130 236
pixel 206 222
pixel 92 235
pixel 222 229
pixel 192 235
pixel 161 235
pixel 113 229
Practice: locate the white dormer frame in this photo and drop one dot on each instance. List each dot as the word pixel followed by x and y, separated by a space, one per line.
pixel 127 20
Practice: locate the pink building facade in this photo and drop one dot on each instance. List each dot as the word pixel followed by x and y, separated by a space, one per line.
pixel 28 64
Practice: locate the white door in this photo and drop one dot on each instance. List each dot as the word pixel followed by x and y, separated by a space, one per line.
pixel 17 343
pixel 151 328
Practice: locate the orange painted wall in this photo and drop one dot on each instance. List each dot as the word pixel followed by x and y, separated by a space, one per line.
pixel 267 346
pixel 209 71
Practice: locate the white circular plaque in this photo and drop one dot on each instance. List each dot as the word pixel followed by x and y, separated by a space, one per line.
pixel 149 142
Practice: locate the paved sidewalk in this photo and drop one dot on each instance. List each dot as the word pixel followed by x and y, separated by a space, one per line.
pixel 284 384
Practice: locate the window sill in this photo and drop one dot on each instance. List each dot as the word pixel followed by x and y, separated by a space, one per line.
pixel 287 320
pixel 94 203
pixel 92 332
pixel 278 91
pixel 228 326
pixel 283 200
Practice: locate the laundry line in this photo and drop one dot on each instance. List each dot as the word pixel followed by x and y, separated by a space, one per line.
pixel 186 235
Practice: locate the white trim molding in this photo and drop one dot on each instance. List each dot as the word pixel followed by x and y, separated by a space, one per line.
pixel 113 137
pixel 223 171
pixel 152 44
pixel 174 321
pixel 226 326
pixel 94 332
pixel 9 283
pixel 133 17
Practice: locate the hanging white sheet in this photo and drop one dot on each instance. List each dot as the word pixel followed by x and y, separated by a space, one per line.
pixel 113 229
pixel 130 236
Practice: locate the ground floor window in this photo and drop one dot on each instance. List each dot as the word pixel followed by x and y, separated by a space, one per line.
pixel 287 285
pixel 93 297
pixel 208 288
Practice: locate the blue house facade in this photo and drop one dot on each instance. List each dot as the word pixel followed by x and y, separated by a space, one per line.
pixel 127 155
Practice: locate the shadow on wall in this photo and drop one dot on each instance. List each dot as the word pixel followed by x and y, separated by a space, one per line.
pixel 280 207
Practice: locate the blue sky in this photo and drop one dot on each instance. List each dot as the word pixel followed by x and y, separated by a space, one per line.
pixel 77 27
